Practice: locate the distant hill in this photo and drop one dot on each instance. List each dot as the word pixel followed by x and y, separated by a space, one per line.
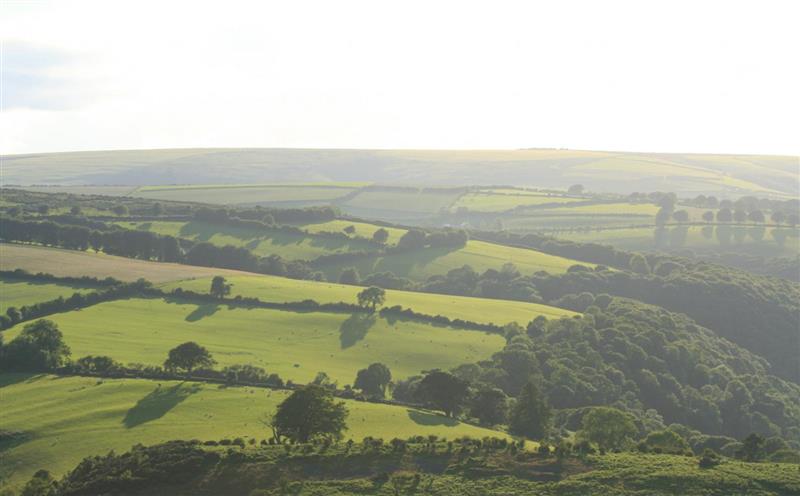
pixel 619 172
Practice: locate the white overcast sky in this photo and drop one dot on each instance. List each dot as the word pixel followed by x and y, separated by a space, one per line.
pixel 700 75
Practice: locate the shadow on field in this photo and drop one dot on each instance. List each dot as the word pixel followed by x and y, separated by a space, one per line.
pixel 355 328
pixel 202 311
pixel 156 404
pixel 423 418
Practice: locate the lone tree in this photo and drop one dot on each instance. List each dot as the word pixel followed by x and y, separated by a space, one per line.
pixel 371 297
pixel 444 391
pixel 373 380
pixel 608 427
pixel 219 287
pixel 350 229
pixel 708 216
pixel 681 215
pixel 307 413
pixel 380 236
pixel 188 356
pixel 531 414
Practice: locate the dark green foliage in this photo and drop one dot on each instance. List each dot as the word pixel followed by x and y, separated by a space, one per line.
pixel 443 391
pixel 219 287
pixel 39 347
pixel 380 236
pixel 665 441
pixel 188 356
pixel 709 459
pixel 373 380
pixel 531 414
pixel 489 406
pixel 307 413
pixel 371 297
pixel 609 428
pixel 752 449
pixel 349 276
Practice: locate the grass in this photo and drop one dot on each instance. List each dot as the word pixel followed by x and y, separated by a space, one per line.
pixel 83 263
pixel 421 264
pixel 290 246
pixel 18 293
pixel 63 420
pixel 295 345
pixel 399 204
pixel 280 289
pixel 767 242
pixel 643 209
pixel 363 229
pixel 492 202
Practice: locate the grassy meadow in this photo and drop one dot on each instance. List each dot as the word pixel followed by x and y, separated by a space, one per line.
pixel 281 289
pixel 492 201
pixel 362 229
pixel 421 264
pixel 291 246
pixel 18 293
pixel 64 263
pixel 295 345
pixel 60 420
pixel 250 194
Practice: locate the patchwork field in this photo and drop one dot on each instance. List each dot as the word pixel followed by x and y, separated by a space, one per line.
pixel 61 420
pixel 421 264
pixel 490 201
pixel 72 263
pixel 288 245
pixel 543 168
pixel 280 289
pixel 18 293
pixel 399 205
pixel 251 194
pixel 295 345
pixel 756 240
pixel 363 229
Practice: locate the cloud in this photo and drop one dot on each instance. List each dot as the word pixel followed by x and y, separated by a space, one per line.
pixel 32 78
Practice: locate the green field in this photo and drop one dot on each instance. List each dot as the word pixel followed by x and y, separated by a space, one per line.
pixel 363 229
pixel 291 246
pixel 399 205
pixel 421 264
pixel 70 263
pixel 489 201
pixel 18 293
pixel 62 420
pixel 295 345
pixel 755 240
pixel 281 289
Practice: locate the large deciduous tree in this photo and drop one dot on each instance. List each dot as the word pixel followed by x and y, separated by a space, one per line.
pixel 188 356
pixel 307 413
pixel 39 347
pixel 609 427
pixel 443 391
pixel 219 287
pixel 531 414
pixel 371 297
pixel 373 380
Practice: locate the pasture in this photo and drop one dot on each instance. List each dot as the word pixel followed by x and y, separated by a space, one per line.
pixel 72 263
pixel 263 242
pixel 295 345
pixel 419 265
pixel 362 229
pixel 57 421
pixel 18 293
pixel 491 201
pixel 281 289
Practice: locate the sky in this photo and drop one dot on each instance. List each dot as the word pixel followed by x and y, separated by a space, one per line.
pixel 656 75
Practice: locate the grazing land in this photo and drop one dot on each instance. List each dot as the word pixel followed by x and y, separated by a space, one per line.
pixel 60 420
pixel 18 293
pixel 295 345
pixel 70 263
pixel 281 289
pixel 289 245
pixel 419 265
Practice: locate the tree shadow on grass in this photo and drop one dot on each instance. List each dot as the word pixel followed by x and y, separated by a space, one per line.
pixel 425 418
pixel 157 403
pixel 202 311
pixel 355 328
